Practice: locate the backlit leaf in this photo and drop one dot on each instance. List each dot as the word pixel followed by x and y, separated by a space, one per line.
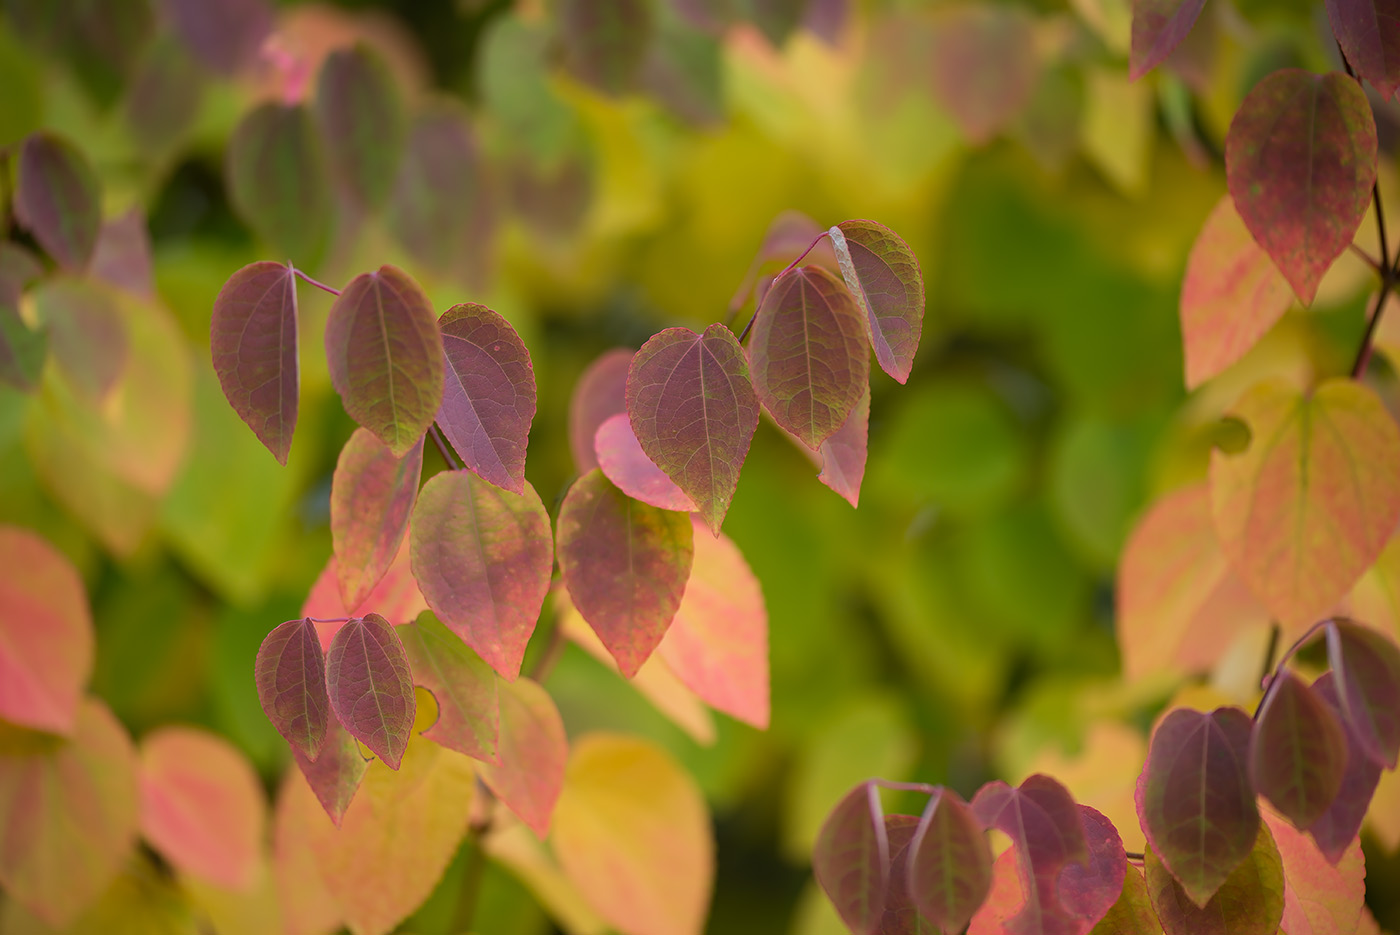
pixel 1201 839
pixel 900 916
pixel 122 256
pixel 1158 28
pixel 277 180
pixel 224 35
pixel 533 752
pixel 1298 752
pixel 46 634
pixel 371 690
pixel 305 905
pixel 396 597
pixel 1301 159
pixel 86 334
pixel 336 774
pixel 949 866
pixel 384 351
pixel 1337 828
pixel 883 275
pixel 1368 33
pixel 1133 913
pixel 489 399
pixel 984 66
pixel 1249 901
pixel 463 685
pixel 253 335
pixel 843 455
pixel 1367 669
pixel 372 495
pixel 809 354
pixel 1310 504
pixel 622 461
pixel 58 198
pixel 601 392
pixel 1320 897
pixel 483 557
pixel 605 43
pixel 515 847
pixel 625 564
pixel 291 677
pixel 362 117
pixel 694 411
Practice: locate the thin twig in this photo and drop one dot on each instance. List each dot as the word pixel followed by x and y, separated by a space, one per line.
pixel 545 661
pixel 1368 259
pixel 1283 661
pixel 313 282
pixel 787 269
pixel 443 448
pixel 1363 353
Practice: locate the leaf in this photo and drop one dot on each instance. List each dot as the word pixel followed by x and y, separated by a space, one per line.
pixel 253 336
pixel 1231 296
pixel 694 411
pixel 851 859
pixel 1158 28
pixel 483 557
pixel 809 354
pixel 605 44
pixel 601 392
pixel 949 864
pixel 533 752
pixel 1367 669
pixel 1320 896
pixel 463 686
pixel 1337 828
pixel 627 466
pixel 1310 504
pixel 46 634
pixel 396 597
pixel 1297 753
pixel 1300 158
pixel 631 830
pixel 22 350
pixel 122 256
pixel 305 905
pixel 984 66
pixel 1368 35
pixel 900 916
pixel 363 121
pixel 788 234
pixel 58 198
pixel 1201 839
pixel 370 686
pixel 202 806
pixel 336 774
pixel 843 455
pixel 511 845
pixel 372 495
pixel 1249 901
pixel 291 676
pixel 224 35
pixel 385 356
pixel 488 402
pixel 1133 913
pixel 625 564
pixel 883 274
pixel 277 180
pixel 86 335
pixel 68 816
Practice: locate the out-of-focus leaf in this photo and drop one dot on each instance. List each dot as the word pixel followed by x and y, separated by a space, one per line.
pixel 512 845
pixel 605 43
pixel 163 95
pixel 396 597
pixel 463 686
pixel 370 686
pixel 683 69
pixel 1297 752
pixel 143 899
pixel 851 859
pixel 1132 914
pixel 883 274
pixel 1320 896
pixel 1120 119
pixel 949 864
pixel 22 349
pixel 1368 33
pixel 122 256
pixel 1337 828
pixel 291 676
pixel 1049 126
pixel 337 772
pixel 984 66
pixel 1367 669
pixel 533 752
pixel 601 392
pixel 305 904
pixel 223 34
pixel 86 334
pixel 1249 901
pixel 631 470
pixel 278 180
pixel 363 120
pixel 372 495
pixel 59 198
pixel 1158 28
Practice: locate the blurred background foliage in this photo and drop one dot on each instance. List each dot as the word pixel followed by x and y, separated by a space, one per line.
pixel 960 625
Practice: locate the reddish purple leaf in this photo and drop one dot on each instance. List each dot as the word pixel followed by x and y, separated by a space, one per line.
pixel 622 460
pixel 605 43
pixel 1368 32
pixel 883 275
pixel 601 392
pixel 372 495
pixel 1301 160
pixel 1337 828
pixel 58 198
pixel 123 254
pixel 900 915
pixel 1367 666
pixel 370 686
pixel 1249 901
pixel 223 34
pixel 1298 752
pixel 950 865
pixel 463 686
pixel 1158 28
pixel 336 772
pixel 384 351
pixel 291 676
pixel 851 859
pixel 488 401
pixel 787 236
pixel 809 353
pixel 985 66
pixel 693 408
pixel 362 117
pixel 483 557
pixel 1201 838
pixel 253 336
pixel 534 753
pixel 843 454
pixel 86 334
pixel 277 180
pixel 625 564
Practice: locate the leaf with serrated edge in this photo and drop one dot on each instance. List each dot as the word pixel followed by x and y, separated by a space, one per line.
pixel 622 461
pixel 533 752
pixel 601 392
pixel 336 774
pixel 371 690
pixel 291 677
pixel 463 686
pixel 1158 28
pixel 361 115
pixel 1297 753
pixel 1368 33
pixel 851 859
pixel 1320 896
pixel 1367 668
pixel 372 495
pixel 949 870
pixel 1336 829
pixel 58 198
pixel 277 181
pixel 883 275
pixel 87 335
pixel 1249 901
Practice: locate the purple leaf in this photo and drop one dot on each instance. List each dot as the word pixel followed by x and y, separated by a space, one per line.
pixel 900 915
pixel 123 254
pixel 1158 28
pixel 483 557
pixel 370 687
pixel 843 454
pixel 605 43
pixel 694 412
pixel 278 183
pixel 384 351
pixel 883 275
pixel 463 686
pixel 223 34
pixel 1336 829
pixel 1090 890
pixel 336 772
pixel 86 334
pixel 950 863
pixel 1368 32
pixel 601 392
pixel 163 95
pixel 488 401
pixel 1249 901
pixel 58 198
pixel 1298 753
pixel 625 564
pixel 622 460
pixel 363 121
pixel 790 233
pixel 851 859
pixel 372 495
pixel 291 676
pixel 253 336
pixel 1367 666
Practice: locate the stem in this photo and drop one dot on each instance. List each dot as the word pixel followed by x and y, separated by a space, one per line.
pixel 323 619
pixel 787 269
pixel 313 282
pixel 471 882
pixel 1380 221
pixel 1368 259
pixel 1363 353
pixel 444 449
pixel 1274 632
pixel 545 661
pixel 1283 661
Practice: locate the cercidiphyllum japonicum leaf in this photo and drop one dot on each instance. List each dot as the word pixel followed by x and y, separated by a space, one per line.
pixel 787 236
pixel 1300 158
pixel 633 834
pixel 625 564
pixel 601 392
pixel 253 337
pixel 337 771
pixel 384 352
pixel 1321 896
pixel 516 849
pixel 372 496
pixel 290 673
pixel 278 183
pixel 843 455
pixel 1336 829
pixel 1368 33
pixel 488 399
pixel 370 687
pixel 948 867
pixel 533 751
pixel 122 257
pixel 883 274
pixel 900 916
pixel 87 335
pixel 463 686
pixel 202 806
pixel 1158 28
pixel 58 198
pixel 809 354
pixel 604 44
pixel 46 634
pixel 1367 669
pixel 223 35
pixel 23 350
pixel 984 65
pixel 622 461
pixel 1132 914
pixel 362 118
pixel 694 411
pixel 1201 838
pixel 483 558
pixel 303 901
pixel 1249 901
pixel 1310 504
pixel 1231 296
pixel 1298 752
pixel 396 597
pixel 68 815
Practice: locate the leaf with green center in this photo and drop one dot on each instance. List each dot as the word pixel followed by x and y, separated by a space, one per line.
pixel 1158 28
pixel 851 859
pixel 1132 914
pixel 58 198
pixel 1298 752
pixel 1311 503
pixel 809 354
pixel 253 336
pixel 601 392
pixel 1320 896
pixel 384 351
pixel 372 495
pixel 336 774
pixel 533 752
pixel 488 402
pixel 370 687
pixel 1336 830
pixel 625 564
pixel 483 557
pixel 463 686
pixel 693 409
pixel 1300 158
pixel 984 66
pixel 86 334
pixel 278 183
pixel 622 461
pixel 949 867
pixel 1367 668
pixel 605 44
pixel 1195 800
pixel 843 455
pixel 1368 33
pixel 22 349
pixel 363 121
pixel 883 275
pixel 291 677
pixel 1249 901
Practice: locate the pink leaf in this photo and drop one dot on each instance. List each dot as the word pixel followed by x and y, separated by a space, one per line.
pixel 1368 32
pixel 1158 28
pixel 843 454
pixel 396 597
pixel 1297 752
pixel 122 256
pixel 86 334
pixel 851 859
pixel 601 392
pixel 622 460
pixel 370 687
pixel 985 66
pixel 1367 668
pixel 223 34
pixel 883 275
pixel 291 676
pixel 58 198
pixel 1320 896
pixel 372 495
pixel 336 773
pixel 533 752
pixel 463 686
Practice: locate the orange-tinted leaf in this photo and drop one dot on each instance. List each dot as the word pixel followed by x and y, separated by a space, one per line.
pixel 337 771
pixel 883 275
pixel 396 597
pixel 601 392
pixel 305 905
pixel 1367 669
pixel 949 865
pixel 46 635
pixel 463 686
pixel 1320 897
pixel 851 859
pixel 605 43
pixel 1248 902
pixel 291 675
pixel 1297 753
pixel 362 117
pixel 515 847
pixel 122 256
pixel 984 66
pixel 533 752
pixel 1337 828
pixel 843 455
pixel 86 334
pixel 277 180
pixel 372 495
pixel 1158 28
pixel 622 461
pixel 1368 33
pixel 58 198
pixel 370 687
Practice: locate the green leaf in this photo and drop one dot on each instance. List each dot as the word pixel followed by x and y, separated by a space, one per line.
pixel 1249 901
pixel 362 117
pixel 278 181
pixel 59 199
pixel 463 686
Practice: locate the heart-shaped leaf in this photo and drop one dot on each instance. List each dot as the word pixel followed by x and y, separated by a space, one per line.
pixel 86 334
pixel 1158 28
pixel 290 673
pixel 278 180
pixel 1368 32
pixel 362 118
pixel 1248 901
pixel 1336 830
pixel 1298 752
pixel 372 495
pixel 1320 896
pixel 370 687
pixel 622 461
pixel 950 864
pixel 601 392
pixel 533 753
pixel 337 771
pixel 1367 669
pixel 463 686
pixel 58 198
pixel 984 65
pixel 883 275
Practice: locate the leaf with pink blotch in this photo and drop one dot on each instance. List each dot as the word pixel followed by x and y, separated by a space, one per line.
pixel 372 495
pixel 533 751
pixel 601 392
